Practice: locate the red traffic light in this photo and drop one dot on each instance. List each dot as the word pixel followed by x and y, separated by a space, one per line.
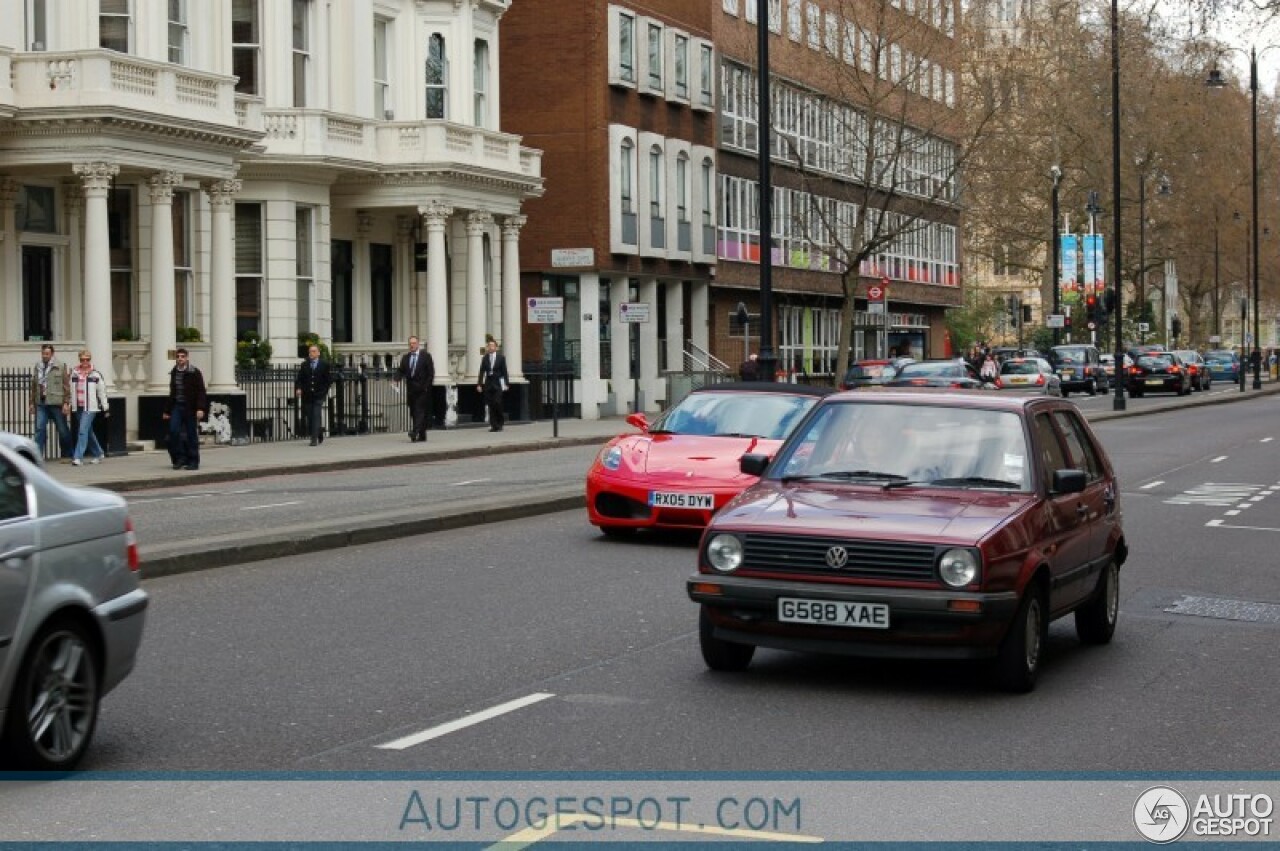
pixel 1091 302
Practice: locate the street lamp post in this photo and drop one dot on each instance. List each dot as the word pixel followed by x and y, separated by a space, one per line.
pixel 1143 310
pixel 1055 240
pixel 768 360
pixel 1118 404
pixel 1216 81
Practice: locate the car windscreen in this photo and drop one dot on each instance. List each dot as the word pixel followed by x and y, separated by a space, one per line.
pixel 908 445
pixel 1149 361
pixel 1220 357
pixel 869 371
pixel 1064 355
pixel 768 415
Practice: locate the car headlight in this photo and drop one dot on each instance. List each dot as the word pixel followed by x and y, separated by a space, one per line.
pixel 958 568
pixel 724 553
pixel 611 458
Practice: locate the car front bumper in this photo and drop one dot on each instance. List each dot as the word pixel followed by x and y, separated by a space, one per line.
pixel 624 503
pixel 922 622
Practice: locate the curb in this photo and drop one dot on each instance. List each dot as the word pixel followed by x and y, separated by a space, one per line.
pixel 299 540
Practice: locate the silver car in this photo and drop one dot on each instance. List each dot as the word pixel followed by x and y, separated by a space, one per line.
pixel 71 612
pixel 1034 375
pixel 24 446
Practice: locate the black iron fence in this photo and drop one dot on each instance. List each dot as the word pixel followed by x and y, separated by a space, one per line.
pixel 361 401
pixel 551 390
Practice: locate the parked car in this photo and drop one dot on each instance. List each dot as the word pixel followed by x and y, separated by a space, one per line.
pixel 921 525
pixel 1201 379
pixel 871 373
pixel 1108 365
pixel 1157 372
pixel 1079 365
pixel 680 469
pixel 24 446
pixel 71 612
pixel 1030 374
pixel 1224 365
pixel 955 374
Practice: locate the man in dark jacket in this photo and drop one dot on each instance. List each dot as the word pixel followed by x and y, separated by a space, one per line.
pixel 312 387
pixel 418 372
pixel 492 383
pixel 184 409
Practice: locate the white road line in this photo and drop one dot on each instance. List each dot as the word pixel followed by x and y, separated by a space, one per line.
pixel 1214 523
pixel 462 723
pixel 272 505
pixel 1219 458
pixel 1150 485
pixel 470 482
pixel 1232 513
pixel 1266 440
pixel 1221 525
pixel 171 498
pixel 1256 498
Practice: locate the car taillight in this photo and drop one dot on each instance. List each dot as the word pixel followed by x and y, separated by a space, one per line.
pixel 956 385
pixel 131 545
pixel 1039 379
pixel 1133 370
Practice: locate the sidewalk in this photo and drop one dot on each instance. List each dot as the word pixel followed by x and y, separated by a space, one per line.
pixel 222 463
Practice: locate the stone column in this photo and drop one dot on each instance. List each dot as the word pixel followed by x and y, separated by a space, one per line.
pixel 589 290
pixel 405 307
pixel 164 324
pixel 97 178
pixel 511 301
pixel 73 292
pixel 699 314
pixel 10 271
pixel 435 216
pixel 649 345
pixel 477 320
pixel 362 288
pixel 675 325
pixel 620 345
pixel 222 285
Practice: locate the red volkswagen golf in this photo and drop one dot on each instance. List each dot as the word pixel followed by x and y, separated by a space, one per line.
pixel 678 470
pixel 917 524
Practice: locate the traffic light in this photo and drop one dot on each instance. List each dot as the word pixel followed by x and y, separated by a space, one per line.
pixel 1092 308
pixel 1175 325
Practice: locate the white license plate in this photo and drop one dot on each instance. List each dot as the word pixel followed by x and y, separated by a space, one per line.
pixel 1019 379
pixel 828 613
pixel 667 499
pixel 1066 373
pixel 1155 381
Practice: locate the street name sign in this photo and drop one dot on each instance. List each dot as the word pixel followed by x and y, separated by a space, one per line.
pixel 545 310
pixel 633 311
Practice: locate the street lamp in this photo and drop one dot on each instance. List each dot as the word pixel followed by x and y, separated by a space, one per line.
pixel 1055 240
pixel 1216 81
pixel 1118 404
pixel 1143 311
pixel 768 359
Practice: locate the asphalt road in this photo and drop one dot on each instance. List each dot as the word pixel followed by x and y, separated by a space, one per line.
pixel 320 662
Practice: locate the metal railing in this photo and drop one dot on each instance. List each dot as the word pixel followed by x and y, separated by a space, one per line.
pixel 361 401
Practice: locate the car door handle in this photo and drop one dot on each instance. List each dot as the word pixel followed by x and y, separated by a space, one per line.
pixel 1082 510
pixel 25 551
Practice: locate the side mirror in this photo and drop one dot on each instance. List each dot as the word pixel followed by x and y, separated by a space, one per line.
pixel 1069 481
pixel 753 464
pixel 638 420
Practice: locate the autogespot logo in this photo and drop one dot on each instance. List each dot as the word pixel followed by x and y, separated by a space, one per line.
pixel 1161 814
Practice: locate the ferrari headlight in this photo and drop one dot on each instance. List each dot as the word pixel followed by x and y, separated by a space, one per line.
pixel 611 458
pixel 724 553
pixel 958 568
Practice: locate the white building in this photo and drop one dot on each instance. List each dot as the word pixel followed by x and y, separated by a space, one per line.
pixel 256 165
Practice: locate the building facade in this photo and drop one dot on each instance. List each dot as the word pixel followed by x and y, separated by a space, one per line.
pixel 650 142
pixel 253 168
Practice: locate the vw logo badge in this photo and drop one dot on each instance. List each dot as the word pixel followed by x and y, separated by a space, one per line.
pixel 837 557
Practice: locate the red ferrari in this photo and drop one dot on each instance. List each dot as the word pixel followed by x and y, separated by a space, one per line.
pixel 683 466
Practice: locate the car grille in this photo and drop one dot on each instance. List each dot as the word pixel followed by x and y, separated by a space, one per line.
pixel 866 559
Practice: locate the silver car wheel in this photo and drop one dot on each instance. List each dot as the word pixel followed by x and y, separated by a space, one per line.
pixel 61 703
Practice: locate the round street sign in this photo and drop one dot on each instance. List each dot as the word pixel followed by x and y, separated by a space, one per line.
pixel 875 293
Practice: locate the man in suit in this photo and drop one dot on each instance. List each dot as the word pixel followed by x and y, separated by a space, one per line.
pixel 493 383
pixel 312 387
pixel 418 372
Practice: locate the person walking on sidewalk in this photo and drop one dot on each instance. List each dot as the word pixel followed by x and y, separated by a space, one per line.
pixel 312 387
pixel 88 399
pixel 183 410
pixel 418 372
pixel 51 399
pixel 493 383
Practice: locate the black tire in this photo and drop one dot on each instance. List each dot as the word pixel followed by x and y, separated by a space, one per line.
pixel 1093 386
pixel 1136 394
pixel 618 533
pixel 721 655
pixel 1096 619
pixel 1065 392
pixel 1018 662
pixel 54 706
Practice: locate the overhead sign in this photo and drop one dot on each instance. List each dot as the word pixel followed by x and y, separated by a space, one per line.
pixel 545 310
pixel 566 257
pixel 633 311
